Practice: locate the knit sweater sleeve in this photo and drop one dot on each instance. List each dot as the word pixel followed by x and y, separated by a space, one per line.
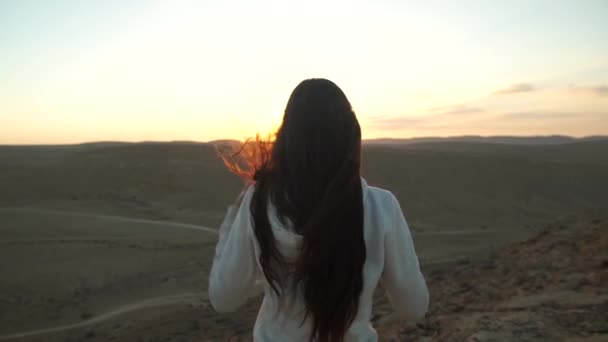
pixel 234 271
pixel 401 277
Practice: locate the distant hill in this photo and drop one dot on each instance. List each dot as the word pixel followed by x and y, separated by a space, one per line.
pixel 224 142
pixel 447 185
pixel 507 140
pixel 499 140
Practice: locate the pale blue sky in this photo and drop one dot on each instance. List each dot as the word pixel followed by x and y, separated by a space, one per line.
pixel 75 71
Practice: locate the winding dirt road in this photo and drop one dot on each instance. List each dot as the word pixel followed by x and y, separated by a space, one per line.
pixel 144 304
pixel 184 298
pixel 147 303
pixel 167 224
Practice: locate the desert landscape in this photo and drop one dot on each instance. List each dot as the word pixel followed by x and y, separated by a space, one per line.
pixel 113 241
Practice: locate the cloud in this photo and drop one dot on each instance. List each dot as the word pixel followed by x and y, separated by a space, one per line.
pixel 397 122
pixel 431 120
pixel 455 110
pixel 540 115
pixel 599 90
pixel 516 88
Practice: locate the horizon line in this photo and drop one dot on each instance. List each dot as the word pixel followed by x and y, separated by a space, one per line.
pixel 395 139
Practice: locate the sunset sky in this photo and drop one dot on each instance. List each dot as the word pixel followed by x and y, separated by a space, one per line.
pixel 76 71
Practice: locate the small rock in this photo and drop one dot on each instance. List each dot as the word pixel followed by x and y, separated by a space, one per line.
pixel 194 325
pixel 458 308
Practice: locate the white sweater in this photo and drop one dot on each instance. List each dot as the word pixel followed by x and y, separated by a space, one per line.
pixel 391 260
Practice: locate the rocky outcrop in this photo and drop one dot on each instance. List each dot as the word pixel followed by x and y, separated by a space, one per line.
pixel 552 287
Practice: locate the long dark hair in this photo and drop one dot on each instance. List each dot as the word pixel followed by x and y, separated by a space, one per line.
pixel 311 174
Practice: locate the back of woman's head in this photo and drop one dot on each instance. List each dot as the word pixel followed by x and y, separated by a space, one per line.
pixel 310 173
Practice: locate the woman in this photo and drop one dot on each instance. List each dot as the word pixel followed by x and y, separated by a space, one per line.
pixel 313 231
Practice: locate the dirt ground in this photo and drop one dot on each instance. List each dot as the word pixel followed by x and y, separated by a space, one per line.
pixel 93 249
pixel 80 271
pixel 549 287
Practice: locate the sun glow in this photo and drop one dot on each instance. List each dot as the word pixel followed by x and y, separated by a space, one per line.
pixel 192 70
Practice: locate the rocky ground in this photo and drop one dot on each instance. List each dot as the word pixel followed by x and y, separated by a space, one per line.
pixel 553 287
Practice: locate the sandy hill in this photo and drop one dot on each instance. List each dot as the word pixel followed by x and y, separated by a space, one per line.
pixel 553 287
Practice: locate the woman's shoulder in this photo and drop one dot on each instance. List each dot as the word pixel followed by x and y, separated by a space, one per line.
pixel 379 202
pixel 378 196
pixel 380 207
